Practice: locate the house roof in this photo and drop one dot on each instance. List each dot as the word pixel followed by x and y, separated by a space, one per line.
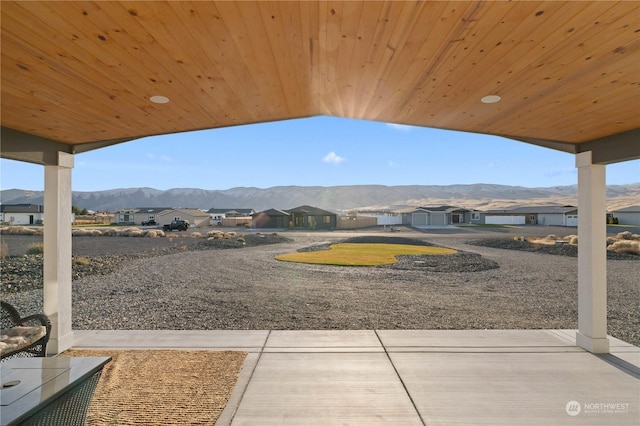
pixel 272 212
pixel 445 209
pixel 630 209
pixel 230 211
pixel 536 210
pixel 21 208
pixel 190 212
pixel 151 210
pixel 82 75
pixel 311 211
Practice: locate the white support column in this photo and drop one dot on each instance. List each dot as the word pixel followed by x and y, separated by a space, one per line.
pixel 592 255
pixel 57 252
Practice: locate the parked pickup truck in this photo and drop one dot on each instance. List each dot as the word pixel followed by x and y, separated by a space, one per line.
pixel 177 225
pixel 148 223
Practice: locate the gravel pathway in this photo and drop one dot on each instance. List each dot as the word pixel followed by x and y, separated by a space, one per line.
pixel 246 288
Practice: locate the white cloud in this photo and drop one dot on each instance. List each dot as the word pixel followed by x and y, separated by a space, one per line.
pixel 333 158
pixel 400 127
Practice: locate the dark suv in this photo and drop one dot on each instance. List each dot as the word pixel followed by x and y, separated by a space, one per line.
pixel 177 225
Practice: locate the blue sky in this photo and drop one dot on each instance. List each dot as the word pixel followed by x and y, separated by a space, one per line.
pixel 320 151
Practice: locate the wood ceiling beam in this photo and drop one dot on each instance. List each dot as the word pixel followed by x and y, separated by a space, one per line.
pixel 30 148
pixel 616 148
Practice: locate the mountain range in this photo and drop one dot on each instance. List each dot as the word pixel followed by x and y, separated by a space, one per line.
pixel 334 198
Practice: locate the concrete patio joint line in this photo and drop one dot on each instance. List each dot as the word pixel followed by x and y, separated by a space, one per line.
pixel 404 386
pixel 253 370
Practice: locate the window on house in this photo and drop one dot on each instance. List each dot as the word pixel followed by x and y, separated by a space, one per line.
pixel 326 219
pixel 475 216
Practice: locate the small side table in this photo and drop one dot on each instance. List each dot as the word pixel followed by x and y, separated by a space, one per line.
pixel 48 390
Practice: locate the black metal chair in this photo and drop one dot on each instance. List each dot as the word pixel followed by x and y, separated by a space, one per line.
pixel 23 336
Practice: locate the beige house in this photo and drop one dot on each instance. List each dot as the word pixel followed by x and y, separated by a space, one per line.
pixel 194 216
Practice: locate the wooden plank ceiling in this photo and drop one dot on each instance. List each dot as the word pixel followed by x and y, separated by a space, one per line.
pixel 79 72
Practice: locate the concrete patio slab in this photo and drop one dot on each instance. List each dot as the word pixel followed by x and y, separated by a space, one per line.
pixel 325 389
pixel 323 341
pixel 473 340
pixel 406 377
pixel 517 388
pixel 243 340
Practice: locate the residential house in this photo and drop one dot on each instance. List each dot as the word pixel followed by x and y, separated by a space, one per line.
pixel 272 218
pixel 628 215
pixel 551 215
pixel 137 215
pixel 195 217
pixel 217 215
pixel 22 214
pixel 308 217
pixel 303 217
pixel 439 216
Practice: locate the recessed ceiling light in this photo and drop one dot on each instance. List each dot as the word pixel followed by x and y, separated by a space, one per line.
pixel 491 99
pixel 159 99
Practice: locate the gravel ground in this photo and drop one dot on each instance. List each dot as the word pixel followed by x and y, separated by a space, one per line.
pixel 186 283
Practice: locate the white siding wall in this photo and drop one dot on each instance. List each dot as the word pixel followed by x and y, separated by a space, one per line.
pixel 23 218
pixel 505 220
pixel 631 218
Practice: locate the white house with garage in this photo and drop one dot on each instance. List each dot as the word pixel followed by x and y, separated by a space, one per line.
pixel 550 215
pixel 628 215
pixel 22 214
pixel 440 216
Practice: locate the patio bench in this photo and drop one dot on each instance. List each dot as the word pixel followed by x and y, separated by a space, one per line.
pixel 22 336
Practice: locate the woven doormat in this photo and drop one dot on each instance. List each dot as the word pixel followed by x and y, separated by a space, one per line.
pixel 162 387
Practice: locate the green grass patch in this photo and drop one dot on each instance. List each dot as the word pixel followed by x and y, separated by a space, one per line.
pixel 362 254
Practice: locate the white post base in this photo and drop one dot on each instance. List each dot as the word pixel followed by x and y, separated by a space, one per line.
pixel 596 346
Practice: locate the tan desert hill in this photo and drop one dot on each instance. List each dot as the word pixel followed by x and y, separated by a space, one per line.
pixel 335 198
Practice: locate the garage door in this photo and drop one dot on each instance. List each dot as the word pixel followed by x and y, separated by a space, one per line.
pixel 419 219
pixel 572 220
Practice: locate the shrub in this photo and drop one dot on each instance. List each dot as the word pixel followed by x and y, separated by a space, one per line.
pixel 241 239
pixel 81 261
pixel 196 235
pixel 86 232
pixel 573 239
pixel 626 246
pixel 20 230
pixel 36 248
pixel 109 232
pixel 626 235
pixel 132 232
